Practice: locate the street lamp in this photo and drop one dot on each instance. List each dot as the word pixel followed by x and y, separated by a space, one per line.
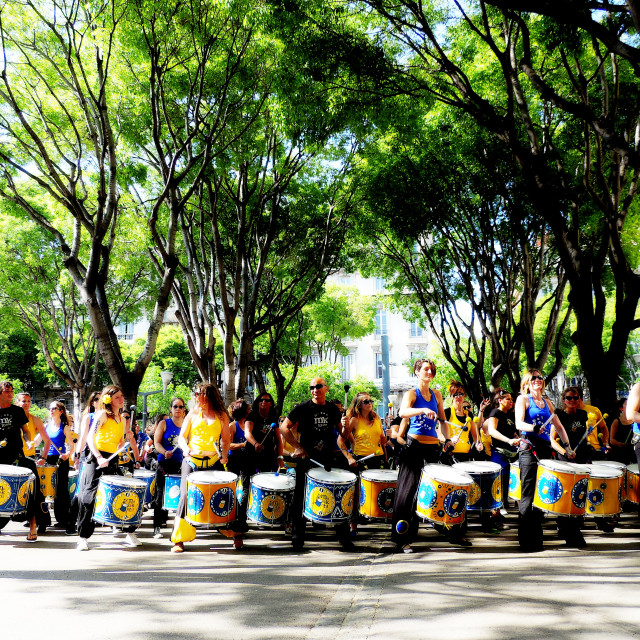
pixel 166 377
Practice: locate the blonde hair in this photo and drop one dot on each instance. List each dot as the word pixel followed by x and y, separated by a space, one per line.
pixel 526 380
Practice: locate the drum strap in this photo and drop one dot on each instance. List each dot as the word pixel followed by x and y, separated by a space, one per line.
pixel 202 463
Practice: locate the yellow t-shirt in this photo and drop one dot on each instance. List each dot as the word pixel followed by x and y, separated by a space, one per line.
pixel 366 437
pixel 108 436
pixel 592 438
pixel 464 444
pixel 204 436
pixel 31 428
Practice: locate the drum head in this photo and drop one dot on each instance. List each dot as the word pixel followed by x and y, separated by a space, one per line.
pixel 604 471
pixel 17 472
pixel 335 476
pixel 273 481
pixel 212 477
pixel 562 467
pixel 478 467
pixel 143 473
pixel 124 481
pixel 633 468
pixel 611 463
pixel 380 475
pixel 443 473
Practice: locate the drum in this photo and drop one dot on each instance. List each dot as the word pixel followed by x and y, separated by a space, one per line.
pixel 617 465
pixel 211 497
pixel 48 480
pixel 377 492
pixel 119 501
pixel 328 496
pixel 16 485
pixel 604 490
pixel 486 491
pixel 171 492
pixel 561 488
pixel 149 477
pixel 443 494
pixel 73 482
pixel 515 488
pixel 270 498
pixel 633 483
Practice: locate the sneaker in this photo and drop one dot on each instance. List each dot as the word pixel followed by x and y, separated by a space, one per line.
pixel 157 533
pixel 83 545
pixel 131 540
pixel 407 548
pixel 460 540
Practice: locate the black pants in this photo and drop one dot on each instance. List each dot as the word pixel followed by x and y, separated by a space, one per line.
pixel 62 500
pixel 529 520
pixel 88 489
pixel 412 458
pixel 164 468
pixel 298 521
pixel 237 464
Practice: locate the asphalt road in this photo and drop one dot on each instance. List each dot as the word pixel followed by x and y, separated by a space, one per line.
pixel 265 591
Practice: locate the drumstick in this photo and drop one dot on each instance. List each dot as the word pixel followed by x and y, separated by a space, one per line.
pixel 271 426
pixel 371 455
pixel 117 453
pixel 588 431
pixel 219 456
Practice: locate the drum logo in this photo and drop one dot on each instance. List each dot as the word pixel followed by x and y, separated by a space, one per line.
pixel 152 488
pixel 513 481
pixel 321 501
pixel 579 493
pixel 550 489
pixel 100 499
pixel 363 494
pixel 385 499
pixel 272 507
pixel 496 489
pixel 595 498
pixel 455 503
pixel 347 501
pixel 222 501
pixel 125 505
pixel 24 491
pixel 474 493
pixel 5 491
pixel 427 497
pixel 195 500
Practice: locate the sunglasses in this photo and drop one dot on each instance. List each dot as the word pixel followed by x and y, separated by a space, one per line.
pixel 367 402
pixel 466 407
pixel 458 395
pixel 315 387
pixel 572 397
pixel 536 378
pixel 268 400
pixel 54 409
pixel 177 406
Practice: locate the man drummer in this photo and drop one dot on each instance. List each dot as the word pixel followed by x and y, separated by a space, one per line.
pixel 316 421
pixel 13 424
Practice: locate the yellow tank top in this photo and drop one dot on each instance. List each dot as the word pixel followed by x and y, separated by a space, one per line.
pixel 366 437
pixel 204 436
pixel 463 445
pixel 31 429
pixel 109 435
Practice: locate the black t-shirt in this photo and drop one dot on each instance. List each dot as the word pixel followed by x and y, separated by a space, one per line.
pixel 12 419
pixel 575 424
pixel 316 424
pixel 261 431
pixel 506 427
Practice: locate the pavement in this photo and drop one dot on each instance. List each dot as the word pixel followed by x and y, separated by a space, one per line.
pixel 267 591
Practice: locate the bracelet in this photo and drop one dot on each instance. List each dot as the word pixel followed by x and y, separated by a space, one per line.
pixel 565 444
pixel 279 458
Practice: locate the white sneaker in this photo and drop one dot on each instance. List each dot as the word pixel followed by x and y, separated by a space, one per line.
pixel 131 540
pixel 83 545
pixel 157 533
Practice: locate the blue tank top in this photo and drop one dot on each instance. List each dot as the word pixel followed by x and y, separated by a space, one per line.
pixel 238 438
pixel 56 434
pixel 421 425
pixel 170 441
pixel 537 416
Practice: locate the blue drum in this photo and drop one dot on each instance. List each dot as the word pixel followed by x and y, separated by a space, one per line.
pixel 270 498
pixel 149 477
pixel 486 492
pixel 73 483
pixel 328 496
pixel 16 485
pixel 119 501
pixel 171 492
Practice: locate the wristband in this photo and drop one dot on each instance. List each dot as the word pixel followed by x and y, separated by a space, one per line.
pixel 536 428
pixel 564 444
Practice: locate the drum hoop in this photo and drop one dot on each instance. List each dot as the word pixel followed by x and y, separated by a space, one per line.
pixel 462 479
pixel 289 485
pixel 387 475
pixel 346 477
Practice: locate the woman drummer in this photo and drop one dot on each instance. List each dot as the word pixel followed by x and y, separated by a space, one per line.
pixel 61 453
pixel 463 428
pixel 263 449
pixel 534 416
pixel 423 406
pixel 204 439
pixel 620 436
pixel 363 434
pixel 106 437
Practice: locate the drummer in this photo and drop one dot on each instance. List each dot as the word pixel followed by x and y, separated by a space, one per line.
pixel 423 406
pixel 165 440
pixel 620 436
pixel 534 415
pixel 363 434
pixel 263 449
pixel 462 427
pixel 239 410
pixel 105 439
pixel 315 421
pixel 632 414
pixel 13 427
pixel 598 437
pixel 204 440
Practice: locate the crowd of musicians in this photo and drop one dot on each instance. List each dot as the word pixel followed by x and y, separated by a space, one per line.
pixel 246 440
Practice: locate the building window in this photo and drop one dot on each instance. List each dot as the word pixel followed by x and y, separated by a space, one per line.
pixel 378 365
pixel 125 331
pixel 347 367
pixel 380 284
pixel 313 360
pixel 416 330
pixel 381 322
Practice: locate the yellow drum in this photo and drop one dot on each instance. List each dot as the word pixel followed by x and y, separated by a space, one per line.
pixel 377 492
pixel 515 488
pixel 603 491
pixel 561 488
pixel 633 483
pixel 622 467
pixel 48 480
pixel 443 494
pixel 211 497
